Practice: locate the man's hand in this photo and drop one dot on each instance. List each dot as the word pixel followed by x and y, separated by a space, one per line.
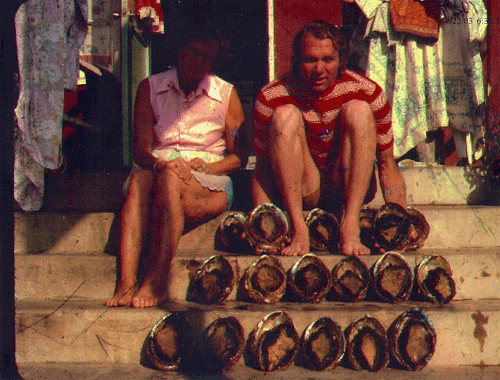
pixel 413 235
pixel 391 180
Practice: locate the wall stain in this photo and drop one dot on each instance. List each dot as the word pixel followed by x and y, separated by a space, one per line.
pixel 485 274
pixel 479 331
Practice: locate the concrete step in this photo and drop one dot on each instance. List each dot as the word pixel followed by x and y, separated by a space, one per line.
pixel 84 191
pixel 65 267
pixel 39 277
pixel 450 185
pixel 447 185
pixel 91 371
pixel 71 331
pixel 94 232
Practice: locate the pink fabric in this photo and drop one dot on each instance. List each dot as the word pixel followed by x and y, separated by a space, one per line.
pixel 193 123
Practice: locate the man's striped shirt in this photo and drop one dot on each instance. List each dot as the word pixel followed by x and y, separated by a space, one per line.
pixel 320 114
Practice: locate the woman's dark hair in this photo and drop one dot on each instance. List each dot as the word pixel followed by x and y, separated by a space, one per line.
pixel 321 30
pixel 205 33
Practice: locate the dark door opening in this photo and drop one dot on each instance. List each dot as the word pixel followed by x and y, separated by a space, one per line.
pixel 244 23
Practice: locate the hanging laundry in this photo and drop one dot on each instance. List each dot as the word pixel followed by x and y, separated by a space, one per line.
pixel 454 8
pixel 416 17
pixel 430 84
pixel 49 34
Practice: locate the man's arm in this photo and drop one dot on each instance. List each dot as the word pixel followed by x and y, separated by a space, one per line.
pixel 391 181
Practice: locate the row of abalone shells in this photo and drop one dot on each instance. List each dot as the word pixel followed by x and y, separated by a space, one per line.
pixel 274 344
pixel 390 279
pixel 266 229
pixel 393 228
pixel 172 344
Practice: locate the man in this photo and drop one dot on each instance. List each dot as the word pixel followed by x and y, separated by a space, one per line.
pixel 185 124
pixel 318 132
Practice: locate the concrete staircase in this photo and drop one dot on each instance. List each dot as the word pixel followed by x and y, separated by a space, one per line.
pixel 66 260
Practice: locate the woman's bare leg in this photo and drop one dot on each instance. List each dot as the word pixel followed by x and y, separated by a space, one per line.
pixel 134 221
pixel 174 203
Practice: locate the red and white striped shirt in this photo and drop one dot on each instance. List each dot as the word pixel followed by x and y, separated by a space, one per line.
pixel 320 114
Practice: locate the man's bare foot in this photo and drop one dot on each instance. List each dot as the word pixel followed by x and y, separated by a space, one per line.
pixel 352 246
pixel 350 241
pixel 145 297
pixel 299 245
pixel 123 295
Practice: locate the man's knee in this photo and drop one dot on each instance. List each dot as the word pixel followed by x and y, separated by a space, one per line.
pixel 357 107
pixel 358 114
pixel 286 121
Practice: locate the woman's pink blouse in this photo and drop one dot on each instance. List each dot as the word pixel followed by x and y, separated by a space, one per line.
pixel 192 123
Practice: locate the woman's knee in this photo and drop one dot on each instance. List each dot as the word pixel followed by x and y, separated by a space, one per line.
pixel 167 186
pixel 204 204
pixel 140 183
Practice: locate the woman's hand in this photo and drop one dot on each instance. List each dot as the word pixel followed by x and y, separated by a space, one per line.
pixel 178 166
pixel 181 168
pixel 200 165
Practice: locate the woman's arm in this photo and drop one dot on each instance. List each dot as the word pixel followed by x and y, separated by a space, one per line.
pixel 231 162
pixel 144 121
pixel 143 127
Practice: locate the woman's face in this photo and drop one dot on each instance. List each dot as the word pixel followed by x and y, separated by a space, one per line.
pixel 196 60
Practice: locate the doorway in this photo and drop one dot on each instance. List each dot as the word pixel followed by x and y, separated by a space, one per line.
pixel 243 23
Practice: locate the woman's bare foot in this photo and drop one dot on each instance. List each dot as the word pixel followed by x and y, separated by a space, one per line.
pixel 123 295
pixel 145 296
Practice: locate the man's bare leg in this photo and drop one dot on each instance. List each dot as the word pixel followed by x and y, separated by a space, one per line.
pixel 263 186
pixel 134 220
pixel 294 171
pixel 356 168
pixel 174 202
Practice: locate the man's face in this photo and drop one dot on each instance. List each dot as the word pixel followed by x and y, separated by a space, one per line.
pixel 319 64
pixel 196 60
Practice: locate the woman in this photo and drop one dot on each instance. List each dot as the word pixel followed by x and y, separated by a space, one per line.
pixel 185 123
